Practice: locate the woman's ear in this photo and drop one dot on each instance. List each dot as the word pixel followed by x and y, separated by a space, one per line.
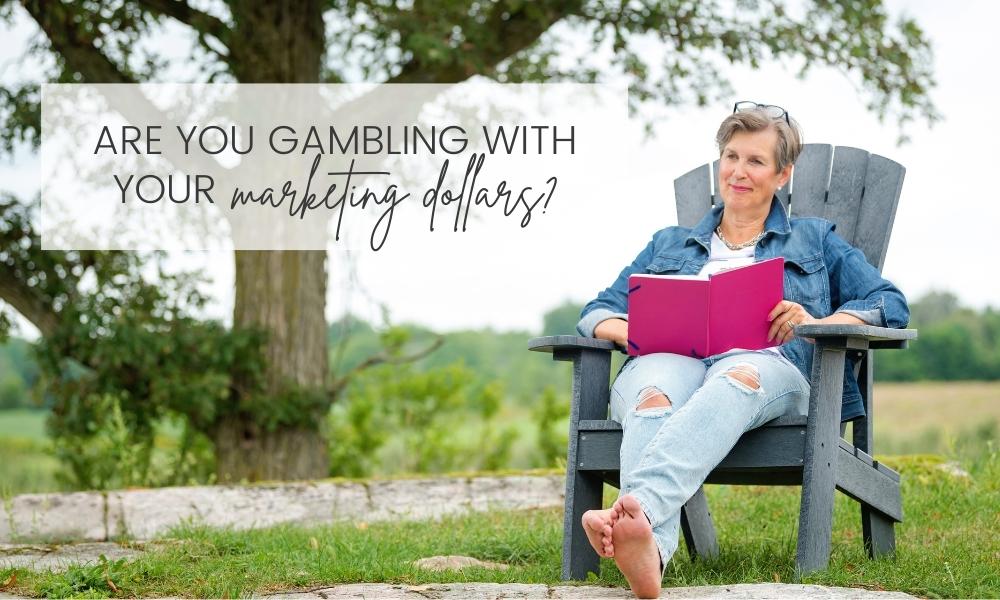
pixel 786 174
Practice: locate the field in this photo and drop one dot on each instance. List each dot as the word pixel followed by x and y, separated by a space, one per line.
pixel 935 417
pixel 21 423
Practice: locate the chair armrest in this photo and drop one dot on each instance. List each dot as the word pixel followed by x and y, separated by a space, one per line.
pixel 553 343
pixel 591 360
pixel 857 337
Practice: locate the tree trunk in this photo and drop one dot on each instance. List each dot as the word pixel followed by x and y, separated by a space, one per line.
pixel 244 451
pixel 282 292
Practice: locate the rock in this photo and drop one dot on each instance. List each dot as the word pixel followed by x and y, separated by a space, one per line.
pixel 453 563
pixel 955 470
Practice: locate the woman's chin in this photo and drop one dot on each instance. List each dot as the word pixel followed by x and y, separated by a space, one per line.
pixel 736 201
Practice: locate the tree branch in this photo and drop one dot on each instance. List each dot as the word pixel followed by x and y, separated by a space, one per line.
pixel 27 301
pixel 378 359
pixel 71 41
pixel 202 22
pixel 515 30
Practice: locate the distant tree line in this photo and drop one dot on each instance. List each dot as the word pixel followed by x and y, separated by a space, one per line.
pixel 18 374
pixel 955 343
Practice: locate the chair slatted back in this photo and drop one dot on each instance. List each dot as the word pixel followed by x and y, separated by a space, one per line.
pixel 855 190
pixel 852 188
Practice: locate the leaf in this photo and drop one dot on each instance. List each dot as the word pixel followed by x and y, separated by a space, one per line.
pixel 9 581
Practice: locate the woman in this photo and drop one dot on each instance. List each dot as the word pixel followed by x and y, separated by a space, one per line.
pixel 680 415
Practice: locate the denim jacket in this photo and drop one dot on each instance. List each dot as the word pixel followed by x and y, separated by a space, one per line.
pixel 823 273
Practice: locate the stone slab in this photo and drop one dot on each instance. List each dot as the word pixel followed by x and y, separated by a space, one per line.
pixel 411 499
pixel 456 563
pixel 743 591
pixel 517 492
pixel 53 517
pixel 442 591
pixel 493 591
pixel 143 514
pixel 59 557
pixel 147 513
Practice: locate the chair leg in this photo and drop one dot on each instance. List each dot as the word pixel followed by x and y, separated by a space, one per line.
pixel 878 531
pixel 819 467
pixel 812 551
pixel 699 531
pixel 584 491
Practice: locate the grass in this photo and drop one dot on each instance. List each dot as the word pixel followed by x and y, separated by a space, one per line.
pixel 947 547
pixel 23 423
pixel 25 463
pixel 27 466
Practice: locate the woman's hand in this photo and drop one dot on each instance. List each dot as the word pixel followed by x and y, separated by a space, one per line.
pixel 615 330
pixel 783 318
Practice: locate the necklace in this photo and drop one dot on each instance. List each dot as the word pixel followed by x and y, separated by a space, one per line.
pixel 740 246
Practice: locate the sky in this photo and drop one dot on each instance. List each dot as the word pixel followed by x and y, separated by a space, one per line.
pixel 943 239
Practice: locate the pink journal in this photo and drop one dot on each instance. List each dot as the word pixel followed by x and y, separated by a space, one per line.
pixel 701 317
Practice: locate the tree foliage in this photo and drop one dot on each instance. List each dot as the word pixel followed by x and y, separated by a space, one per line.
pixel 955 343
pixel 402 418
pixel 670 52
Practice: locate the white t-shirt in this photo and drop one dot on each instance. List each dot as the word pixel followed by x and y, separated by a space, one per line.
pixel 721 257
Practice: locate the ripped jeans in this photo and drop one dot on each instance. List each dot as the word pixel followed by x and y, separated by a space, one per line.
pixel 667 452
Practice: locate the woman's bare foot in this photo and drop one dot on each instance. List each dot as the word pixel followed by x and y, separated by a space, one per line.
pixel 598 525
pixel 635 550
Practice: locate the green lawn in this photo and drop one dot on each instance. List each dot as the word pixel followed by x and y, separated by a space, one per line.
pixel 948 547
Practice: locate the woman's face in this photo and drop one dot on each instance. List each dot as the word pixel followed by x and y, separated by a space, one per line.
pixel 748 175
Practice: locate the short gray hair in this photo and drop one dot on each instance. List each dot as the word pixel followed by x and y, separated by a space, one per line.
pixel 751 121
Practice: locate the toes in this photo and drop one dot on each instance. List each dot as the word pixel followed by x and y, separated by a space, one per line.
pixel 630 505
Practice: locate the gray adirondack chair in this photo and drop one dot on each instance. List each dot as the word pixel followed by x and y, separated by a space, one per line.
pixel 858 191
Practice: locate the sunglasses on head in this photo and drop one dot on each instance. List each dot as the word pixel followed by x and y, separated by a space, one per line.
pixel 775 112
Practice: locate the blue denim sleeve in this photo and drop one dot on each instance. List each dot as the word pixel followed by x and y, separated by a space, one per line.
pixel 613 301
pixel 857 288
